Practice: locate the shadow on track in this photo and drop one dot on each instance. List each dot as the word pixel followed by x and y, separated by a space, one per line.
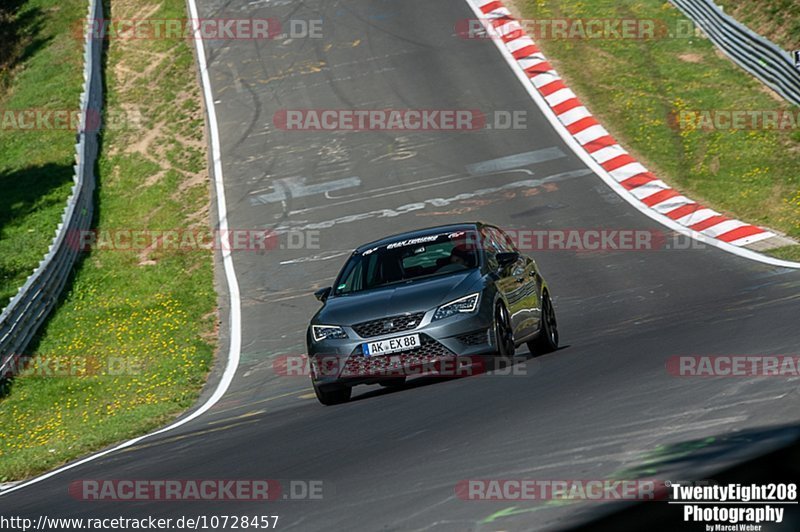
pixel 774 467
pixel 490 365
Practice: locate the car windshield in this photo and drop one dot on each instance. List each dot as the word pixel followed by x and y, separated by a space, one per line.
pixel 406 260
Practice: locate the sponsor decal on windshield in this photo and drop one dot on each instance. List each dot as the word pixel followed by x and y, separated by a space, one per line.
pixel 413 241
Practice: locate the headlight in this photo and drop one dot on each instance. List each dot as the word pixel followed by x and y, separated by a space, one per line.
pixel 462 305
pixel 325 332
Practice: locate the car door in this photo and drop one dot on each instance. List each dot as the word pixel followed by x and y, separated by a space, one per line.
pixel 527 280
pixel 508 277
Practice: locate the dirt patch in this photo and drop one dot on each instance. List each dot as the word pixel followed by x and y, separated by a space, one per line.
pixel 157 133
pixel 691 58
pixel 143 145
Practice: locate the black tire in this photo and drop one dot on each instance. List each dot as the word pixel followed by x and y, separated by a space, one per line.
pixel 504 335
pixel 333 396
pixel 394 382
pixel 547 340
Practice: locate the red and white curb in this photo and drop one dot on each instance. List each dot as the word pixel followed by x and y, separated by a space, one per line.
pixel 616 166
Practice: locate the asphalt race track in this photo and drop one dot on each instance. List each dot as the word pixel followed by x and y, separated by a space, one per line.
pixel 602 406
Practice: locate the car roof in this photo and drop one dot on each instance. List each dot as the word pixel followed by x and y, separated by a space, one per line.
pixel 466 226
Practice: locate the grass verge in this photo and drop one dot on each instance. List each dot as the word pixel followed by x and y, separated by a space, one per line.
pixel 777 20
pixel 131 343
pixel 41 65
pixel 635 86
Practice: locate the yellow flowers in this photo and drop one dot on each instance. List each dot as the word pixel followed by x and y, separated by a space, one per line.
pixel 755 174
pixel 133 352
pixel 131 338
pixel 795 201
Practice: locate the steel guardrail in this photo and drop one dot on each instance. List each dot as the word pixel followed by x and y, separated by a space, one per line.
pixel 751 51
pixel 29 308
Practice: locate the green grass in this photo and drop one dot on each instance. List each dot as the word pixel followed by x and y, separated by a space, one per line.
pixel 777 20
pixel 633 87
pixel 150 315
pixel 40 68
pixel 787 253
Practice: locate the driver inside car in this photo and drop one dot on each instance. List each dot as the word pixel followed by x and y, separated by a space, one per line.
pixel 460 258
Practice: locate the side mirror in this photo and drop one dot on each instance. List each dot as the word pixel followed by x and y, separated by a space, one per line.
pixel 323 293
pixel 507 258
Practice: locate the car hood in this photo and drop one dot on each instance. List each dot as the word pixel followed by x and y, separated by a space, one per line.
pixel 401 298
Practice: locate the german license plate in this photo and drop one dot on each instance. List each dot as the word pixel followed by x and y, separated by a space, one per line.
pixel 391 345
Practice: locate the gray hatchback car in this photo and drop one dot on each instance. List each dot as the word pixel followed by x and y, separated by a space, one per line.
pixel 426 299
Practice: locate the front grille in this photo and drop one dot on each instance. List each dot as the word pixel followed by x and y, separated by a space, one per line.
pixel 474 338
pixel 392 324
pixel 395 364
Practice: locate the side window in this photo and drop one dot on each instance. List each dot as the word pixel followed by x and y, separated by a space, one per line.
pixel 486 242
pixel 499 241
pixel 352 280
pixel 508 243
pixel 372 270
pixel 491 247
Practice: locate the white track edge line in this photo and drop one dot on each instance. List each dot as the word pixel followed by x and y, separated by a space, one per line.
pixel 610 181
pixel 230 275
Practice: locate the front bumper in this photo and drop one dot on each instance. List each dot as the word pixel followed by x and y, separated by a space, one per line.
pixel 448 346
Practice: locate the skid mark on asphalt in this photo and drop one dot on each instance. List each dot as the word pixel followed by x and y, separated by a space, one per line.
pixel 181 437
pixel 519 160
pixel 476 205
pixel 295 187
pixel 250 404
pixel 647 465
pixel 385 191
pixel 240 416
pixel 328 255
pixel 300 292
pixel 481 169
pixel 628 447
pixel 575 457
pixel 513 510
pixel 270 295
pixel 433 202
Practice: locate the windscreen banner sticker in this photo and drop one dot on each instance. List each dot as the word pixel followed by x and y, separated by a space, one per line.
pixel 413 241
